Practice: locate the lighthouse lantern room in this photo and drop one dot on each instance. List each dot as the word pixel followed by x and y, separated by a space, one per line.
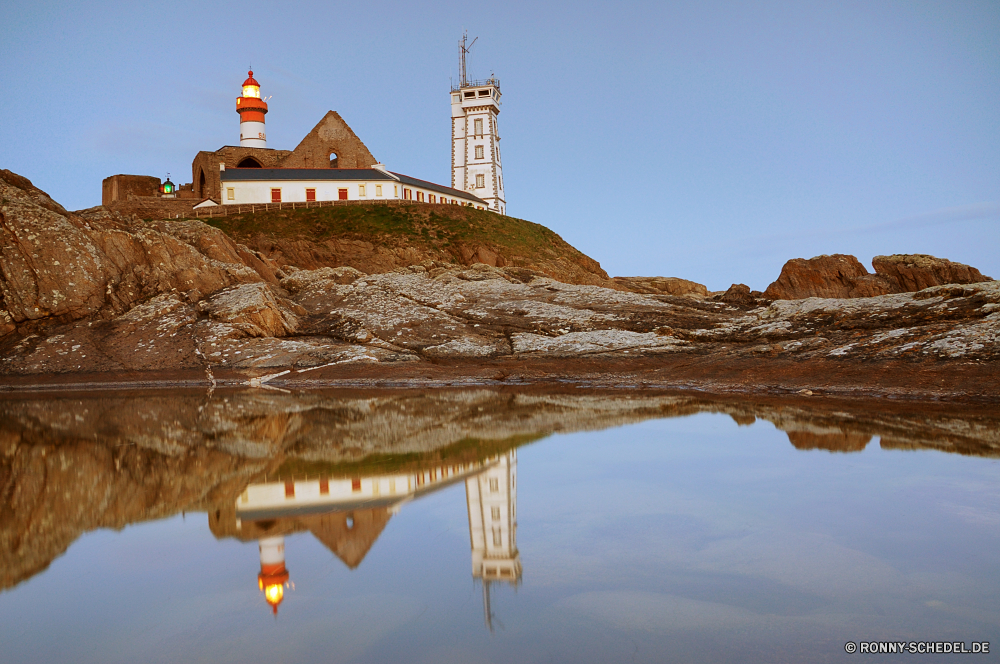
pixel 251 108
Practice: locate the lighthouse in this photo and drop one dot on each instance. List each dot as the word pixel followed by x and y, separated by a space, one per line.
pixel 251 108
pixel 273 575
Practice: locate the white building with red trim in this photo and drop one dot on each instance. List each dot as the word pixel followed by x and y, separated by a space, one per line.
pixel 245 186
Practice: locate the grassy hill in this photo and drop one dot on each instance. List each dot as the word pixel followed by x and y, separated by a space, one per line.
pixel 377 238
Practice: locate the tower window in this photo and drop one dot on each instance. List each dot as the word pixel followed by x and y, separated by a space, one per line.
pixel 480 181
pixel 477 127
pixel 479 152
pixel 497 540
pixel 495 513
pixel 310 194
pixel 494 484
pixel 361 190
pixel 276 195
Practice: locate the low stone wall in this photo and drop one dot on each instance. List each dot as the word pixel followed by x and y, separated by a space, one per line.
pixel 154 207
pixel 226 210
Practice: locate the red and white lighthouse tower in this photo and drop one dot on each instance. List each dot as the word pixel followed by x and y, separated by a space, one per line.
pixel 251 108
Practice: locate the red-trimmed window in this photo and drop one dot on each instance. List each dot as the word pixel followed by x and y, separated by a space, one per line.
pixel 289 489
pixel 407 194
pixel 356 484
pixel 420 196
pixel 342 194
pixel 310 194
pixel 432 199
pixel 324 486
pixel 276 195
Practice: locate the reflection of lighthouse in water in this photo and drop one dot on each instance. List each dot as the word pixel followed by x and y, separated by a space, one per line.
pixel 273 576
pixel 348 514
pixel 492 501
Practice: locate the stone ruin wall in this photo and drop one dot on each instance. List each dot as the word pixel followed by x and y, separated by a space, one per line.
pixel 207 163
pixel 154 207
pixel 122 187
pixel 330 136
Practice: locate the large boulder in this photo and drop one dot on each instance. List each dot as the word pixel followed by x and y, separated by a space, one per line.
pixel 254 310
pixel 908 273
pixel 740 295
pixel 836 276
pixel 843 276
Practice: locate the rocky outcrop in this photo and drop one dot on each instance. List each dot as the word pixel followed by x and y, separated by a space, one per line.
pixel 660 285
pixel 58 265
pixel 908 273
pixel 838 276
pixel 336 317
pixel 843 276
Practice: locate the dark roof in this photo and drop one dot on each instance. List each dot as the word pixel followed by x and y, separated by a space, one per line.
pixel 251 174
pixel 414 182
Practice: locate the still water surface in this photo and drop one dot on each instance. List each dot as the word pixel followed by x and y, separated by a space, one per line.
pixel 707 537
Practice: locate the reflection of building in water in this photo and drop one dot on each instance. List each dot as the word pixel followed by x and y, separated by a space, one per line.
pixel 348 514
pixel 492 500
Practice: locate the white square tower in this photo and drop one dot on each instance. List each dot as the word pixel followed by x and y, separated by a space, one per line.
pixel 475 141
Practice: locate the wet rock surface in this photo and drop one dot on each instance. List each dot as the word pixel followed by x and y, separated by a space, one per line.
pixel 71 464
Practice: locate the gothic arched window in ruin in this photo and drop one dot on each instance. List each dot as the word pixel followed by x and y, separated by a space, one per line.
pixel 249 162
pixel 334 161
pixel 201 182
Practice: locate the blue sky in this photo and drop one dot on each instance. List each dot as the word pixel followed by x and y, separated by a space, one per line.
pixel 705 140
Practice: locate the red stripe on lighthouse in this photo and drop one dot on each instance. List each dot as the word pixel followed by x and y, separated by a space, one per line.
pixel 251 116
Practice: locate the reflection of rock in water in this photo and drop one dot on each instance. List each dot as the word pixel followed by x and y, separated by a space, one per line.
pixel 52 490
pixel 71 465
pixel 834 442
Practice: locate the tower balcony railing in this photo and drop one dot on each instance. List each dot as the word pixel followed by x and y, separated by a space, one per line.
pixel 477 83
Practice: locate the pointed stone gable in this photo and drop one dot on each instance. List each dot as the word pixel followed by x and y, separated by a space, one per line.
pixel 330 136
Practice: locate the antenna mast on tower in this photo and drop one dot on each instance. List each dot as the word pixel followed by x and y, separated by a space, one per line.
pixel 463 50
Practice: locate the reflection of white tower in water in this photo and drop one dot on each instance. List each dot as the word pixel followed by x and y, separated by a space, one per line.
pixel 492 502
